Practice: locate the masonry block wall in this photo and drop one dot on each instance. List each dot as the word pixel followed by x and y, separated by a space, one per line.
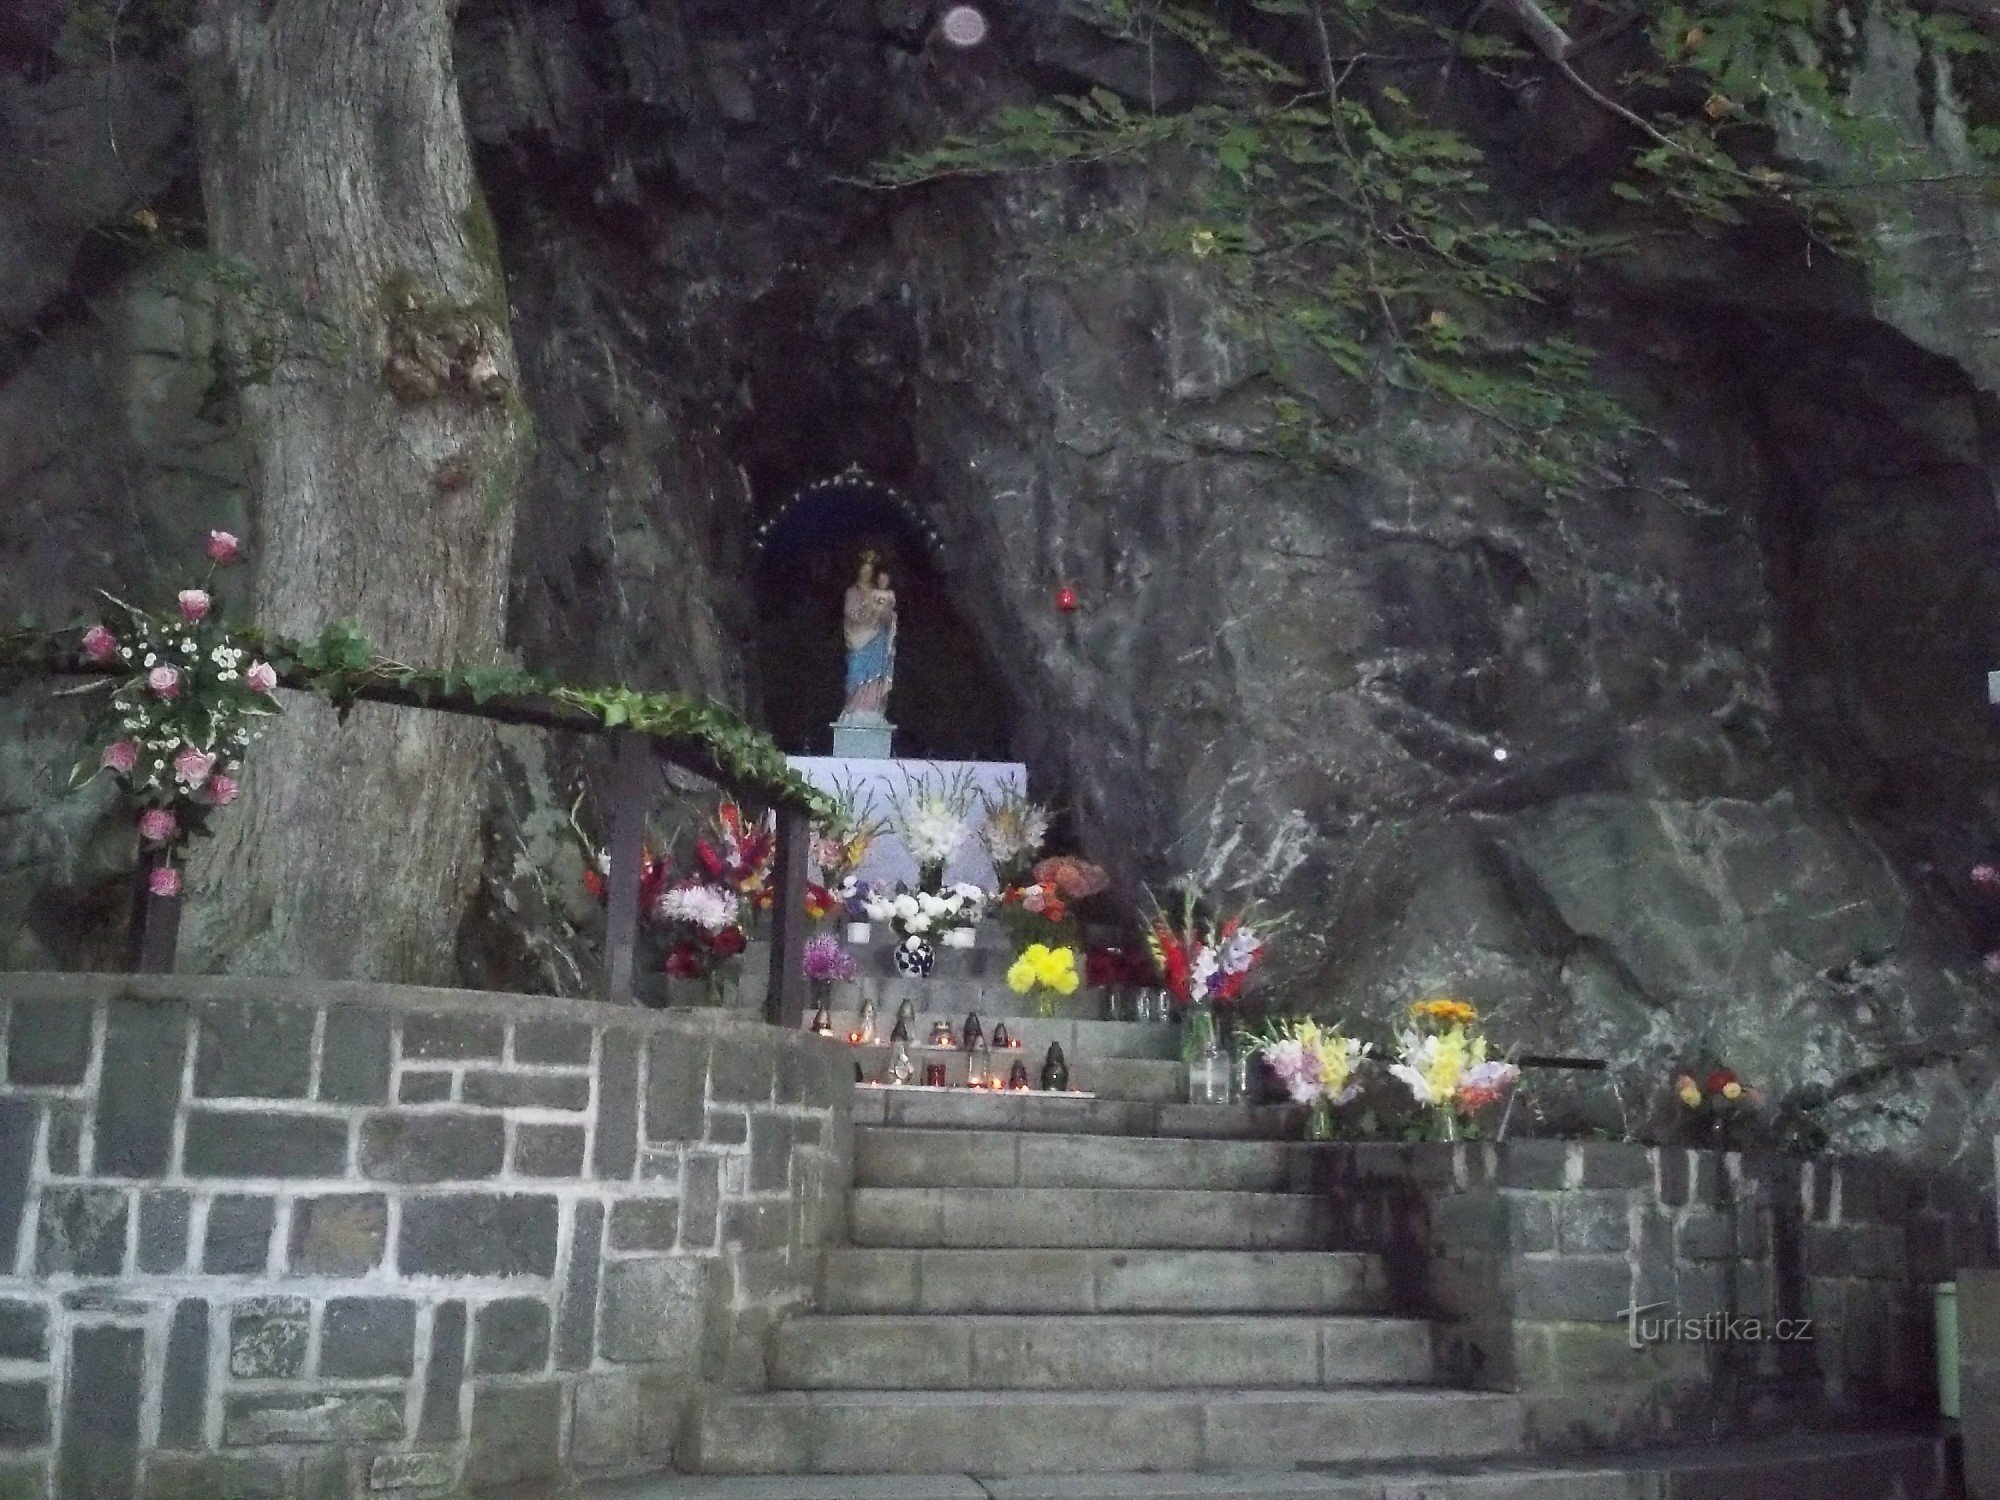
pixel 312 1241
pixel 1534 1251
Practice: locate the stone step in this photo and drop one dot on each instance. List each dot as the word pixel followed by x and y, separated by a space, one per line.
pixel 1148 1080
pixel 1910 1466
pixel 1086 1219
pixel 899 1156
pixel 1071 1432
pixel 982 1109
pixel 952 993
pixel 1129 1351
pixel 856 1280
pixel 1077 1038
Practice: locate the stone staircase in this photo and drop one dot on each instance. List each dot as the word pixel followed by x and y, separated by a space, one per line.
pixel 1055 1298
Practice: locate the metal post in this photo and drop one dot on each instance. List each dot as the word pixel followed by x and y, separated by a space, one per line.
pixel 785 1003
pixel 632 784
pixel 154 935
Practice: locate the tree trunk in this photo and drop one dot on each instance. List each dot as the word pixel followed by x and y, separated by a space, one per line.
pixel 378 401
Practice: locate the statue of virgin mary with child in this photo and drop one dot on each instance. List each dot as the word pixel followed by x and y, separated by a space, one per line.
pixel 868 620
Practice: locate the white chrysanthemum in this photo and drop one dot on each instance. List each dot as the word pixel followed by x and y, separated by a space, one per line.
pixel 905 905
pixel 706 906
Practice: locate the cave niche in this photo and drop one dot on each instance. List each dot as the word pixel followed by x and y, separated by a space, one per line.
pixel 948 702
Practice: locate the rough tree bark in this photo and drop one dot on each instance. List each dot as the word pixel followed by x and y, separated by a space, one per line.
pixel 378 402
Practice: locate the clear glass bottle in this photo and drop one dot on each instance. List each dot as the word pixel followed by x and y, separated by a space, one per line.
pixel 1208 1075
pixel 901 1068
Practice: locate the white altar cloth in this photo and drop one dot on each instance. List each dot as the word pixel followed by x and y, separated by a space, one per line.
pixel 876 782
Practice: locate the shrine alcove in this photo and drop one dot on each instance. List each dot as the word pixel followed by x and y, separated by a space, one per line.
pixel 948 701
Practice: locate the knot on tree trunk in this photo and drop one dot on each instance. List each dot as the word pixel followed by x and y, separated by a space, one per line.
pixel 439 349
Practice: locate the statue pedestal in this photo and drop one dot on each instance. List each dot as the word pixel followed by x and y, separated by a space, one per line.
pixel 863 738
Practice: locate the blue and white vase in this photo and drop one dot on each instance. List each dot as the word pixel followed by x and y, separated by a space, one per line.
pixel 915 958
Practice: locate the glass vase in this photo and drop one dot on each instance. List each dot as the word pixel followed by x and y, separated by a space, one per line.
pixel 1208 1076
pixel 1197 1031
pixel 1319 1121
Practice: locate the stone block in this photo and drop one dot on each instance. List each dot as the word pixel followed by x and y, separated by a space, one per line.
pixel 48 1043
pixel 511 1337
pixel 432 1146
pixel 604 1429
pixel 452 1038
pixel 516 1435
pixel 354 1057
pixel 247 1143
pixel 559 1042
pixel 322 1416
pixel 17 1160
pixel 497 1090
pixel 424 1086
pixel 1675 1180
pixel 1532 1164
pixel 24 1331
pixel 24 1413
pixel 254 1050
pixel 741 1070
pixel 653 1311
pixel 1530 1221
pixel 1615 1164
pixel 1595 1223
pixel 164 1217
pixel 761 1225
pixel 617 1146
pixel 441 1420
pixel 237 1240
pixel 576 1326
pixel 81 1231
pixel 327 1474
pixel 1570 1288
pixel 548 1151
pixel 412 1471
pixel 701 1201
pixel 770 1152
pixel 368 1338
pixel 218 1476
pixel 65 1138
pixel 143 1052
pixel 1708 1236
pixel 478 1234
pixel 645 1223
pixel 338 1234
pixel 268 1337
pixel 102 1393
pixel 676 1079
pixel 728 1127
pixel 184 1383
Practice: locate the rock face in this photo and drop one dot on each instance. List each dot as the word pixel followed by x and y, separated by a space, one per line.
pixel 1695 761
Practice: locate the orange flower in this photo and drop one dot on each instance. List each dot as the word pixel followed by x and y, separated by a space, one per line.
pixel 1445 1012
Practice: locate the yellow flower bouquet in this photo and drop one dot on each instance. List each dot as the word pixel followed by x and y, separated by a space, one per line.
pixel 1044 973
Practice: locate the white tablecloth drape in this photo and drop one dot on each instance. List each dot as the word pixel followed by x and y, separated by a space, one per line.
pixel 876 782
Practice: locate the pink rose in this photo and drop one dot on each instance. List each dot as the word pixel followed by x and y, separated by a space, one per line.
pixel 164 881
pixel 261 678
pixel 157 825
pixel 194 604
pixel 192 767
pixel 222 790
pixel 1986 876
pixel 121 757
pixel 223 547
pixel 164 682
pixel 99 644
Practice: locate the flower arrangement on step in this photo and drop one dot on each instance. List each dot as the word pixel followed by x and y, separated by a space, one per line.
pixel 1013 833
pixel 1204 960
pixel 703 921
pixel 1071 878
pixel 826 964
pixel 1034 914
pixel 1716 1107
pixel 1441 1058
pixel 1317 1066
pixel 842 837
pixel 918 917
pixel 736 852
pixel 932 819
pixel 177 728
pixel 1043 973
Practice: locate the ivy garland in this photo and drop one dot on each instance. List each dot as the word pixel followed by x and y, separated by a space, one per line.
pixel 188 692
